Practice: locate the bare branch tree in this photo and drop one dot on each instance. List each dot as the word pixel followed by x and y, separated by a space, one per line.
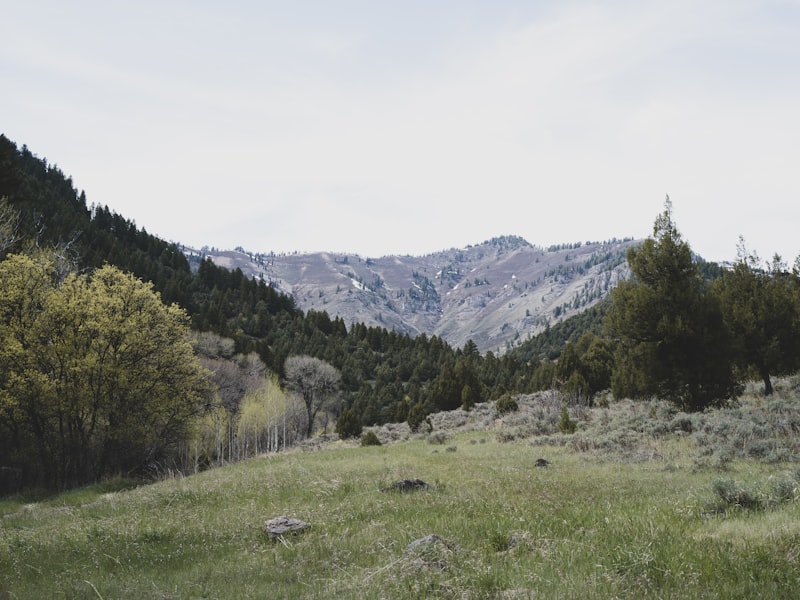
pixel 9 225
pixel 315 380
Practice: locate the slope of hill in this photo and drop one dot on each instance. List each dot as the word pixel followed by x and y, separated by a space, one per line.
pixel 640 502
pixel 497 293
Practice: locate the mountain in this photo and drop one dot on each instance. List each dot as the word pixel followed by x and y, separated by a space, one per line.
pixel 497 293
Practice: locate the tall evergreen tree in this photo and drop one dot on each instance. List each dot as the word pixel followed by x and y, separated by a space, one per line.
pixel 761 307
pixel 670 337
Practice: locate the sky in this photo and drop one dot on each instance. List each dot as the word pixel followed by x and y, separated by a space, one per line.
pixel 378 128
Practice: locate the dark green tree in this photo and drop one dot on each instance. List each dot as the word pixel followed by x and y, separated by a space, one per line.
pixel 348 425
pixel 445 391
pixel 505 404
pixel 401 411
pixel 416 416
pixel 761 307
pixel 670 337
pixel 467 377
pixel 370 439
pixel 596 362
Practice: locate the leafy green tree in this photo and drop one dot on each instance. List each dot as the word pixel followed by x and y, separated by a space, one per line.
pixel 543 376
pixel 575 387
pixel 99 375
pixel 316 381
pixel 583 368
pixel 670 337
pixel 761 307
pixel 402 409
pixel 568 363
pixel 466 372
pixel 262 418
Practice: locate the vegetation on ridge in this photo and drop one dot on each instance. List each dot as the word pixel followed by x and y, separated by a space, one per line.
pixel 669 332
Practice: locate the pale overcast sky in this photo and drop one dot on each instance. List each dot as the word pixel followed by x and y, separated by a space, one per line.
pixel 410 127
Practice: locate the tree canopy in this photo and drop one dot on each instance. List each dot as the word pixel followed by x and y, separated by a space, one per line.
pixel 316 381
pixel 98 375
pixel 669 334
pixel 761 307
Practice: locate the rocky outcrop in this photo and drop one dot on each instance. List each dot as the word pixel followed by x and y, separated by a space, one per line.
pixel 497 293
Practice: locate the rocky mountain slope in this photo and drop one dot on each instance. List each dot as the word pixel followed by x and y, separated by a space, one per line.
pixel 497 293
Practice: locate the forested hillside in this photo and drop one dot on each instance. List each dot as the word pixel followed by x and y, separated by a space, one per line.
pixel 83 386
pixel 384 374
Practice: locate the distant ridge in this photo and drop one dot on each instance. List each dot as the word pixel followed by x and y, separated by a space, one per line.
pixel 497 293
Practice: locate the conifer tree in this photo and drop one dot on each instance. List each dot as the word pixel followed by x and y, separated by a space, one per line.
pixel 761 307
pixel 670 337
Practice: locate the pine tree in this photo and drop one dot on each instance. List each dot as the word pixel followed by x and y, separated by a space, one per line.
pixel 761 307
pixel 671 341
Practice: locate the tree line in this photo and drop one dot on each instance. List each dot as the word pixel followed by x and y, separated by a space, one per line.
pixel 48 221
pixel 682 337
pixel 680 328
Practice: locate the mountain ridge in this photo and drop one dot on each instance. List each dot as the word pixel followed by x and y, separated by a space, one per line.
pixel 497 293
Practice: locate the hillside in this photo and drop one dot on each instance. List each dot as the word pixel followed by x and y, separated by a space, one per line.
pixel 384 369
pixel 497 293
pixel 640 502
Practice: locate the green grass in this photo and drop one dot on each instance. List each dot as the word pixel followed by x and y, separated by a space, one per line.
pixel 585 527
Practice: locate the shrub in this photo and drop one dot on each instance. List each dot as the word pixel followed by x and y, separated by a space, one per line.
pixel 500 542
pixel 733 494
pixel 370 439
pixel 682 422
pixel 565 424
pixel 348 425
pixel 440 437
pixel 505 404
pixel 506 435
pixel 758 448
pixel 782 490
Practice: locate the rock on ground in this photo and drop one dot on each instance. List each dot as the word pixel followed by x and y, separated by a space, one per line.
pixel 279 526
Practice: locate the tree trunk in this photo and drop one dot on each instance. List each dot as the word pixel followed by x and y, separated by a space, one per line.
pixel 767 383
pixel 310 427
pixel 309 402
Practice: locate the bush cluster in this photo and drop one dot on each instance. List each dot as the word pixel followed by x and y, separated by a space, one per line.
pixel 505 404
pixel 438 437
pixel 732 494
pixel 370 439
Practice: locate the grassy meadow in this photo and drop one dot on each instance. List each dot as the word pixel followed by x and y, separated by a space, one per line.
pixel 639 502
